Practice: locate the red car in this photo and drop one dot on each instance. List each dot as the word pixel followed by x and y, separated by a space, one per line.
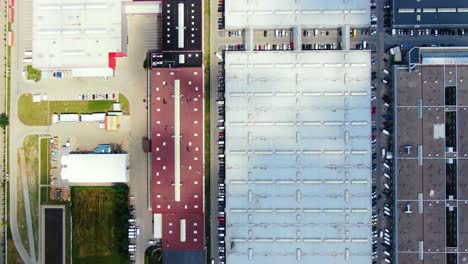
pixel 374 110
pixel 221 219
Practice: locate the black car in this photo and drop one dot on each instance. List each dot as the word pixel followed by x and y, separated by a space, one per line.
pixel 265 33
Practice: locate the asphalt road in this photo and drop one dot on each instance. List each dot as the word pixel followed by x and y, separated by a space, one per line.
pixel 378 43
pixel 16 138
pixel 215 41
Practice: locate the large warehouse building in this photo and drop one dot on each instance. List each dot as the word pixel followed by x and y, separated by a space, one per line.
pixel 289 13
pixel 297 139
pixel 431 158
pixel 83 37
pixel 298 172
pixel 76 35
pixel 177 134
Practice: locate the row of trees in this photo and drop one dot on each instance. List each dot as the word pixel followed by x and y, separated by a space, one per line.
pixel 3 120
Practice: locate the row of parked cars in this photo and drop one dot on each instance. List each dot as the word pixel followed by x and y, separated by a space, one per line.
pixel 235 47
pixel 235 33
pixel 280 46
pixel 429 32
pixel 387 181
pixel 221 10
pixel 220 6
pixel 382 188
pixel 320 46
pixel 133 232
pixel 221 229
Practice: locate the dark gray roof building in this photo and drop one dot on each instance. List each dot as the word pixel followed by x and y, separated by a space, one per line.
pixel 431 158
pixel 430 13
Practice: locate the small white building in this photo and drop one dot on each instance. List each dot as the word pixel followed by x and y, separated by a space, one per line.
pixel 94 168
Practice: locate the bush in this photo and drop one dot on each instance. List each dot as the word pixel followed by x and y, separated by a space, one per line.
pixel 33 74
pixel 3 120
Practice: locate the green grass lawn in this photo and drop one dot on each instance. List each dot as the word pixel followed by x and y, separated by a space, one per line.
pixel 39 114
pixel 100 224
pixel 31 152
pixel 30 147
pixel 45 161
pixel 124 104
pixel 13 256
pixel 206 36
pixel 33 74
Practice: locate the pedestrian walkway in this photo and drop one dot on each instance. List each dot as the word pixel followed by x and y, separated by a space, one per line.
pixel 3 79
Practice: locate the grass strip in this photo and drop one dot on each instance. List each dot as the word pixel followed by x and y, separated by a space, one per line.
pixel 206 59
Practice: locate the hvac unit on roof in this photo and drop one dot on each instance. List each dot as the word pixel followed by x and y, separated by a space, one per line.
pixel 408 209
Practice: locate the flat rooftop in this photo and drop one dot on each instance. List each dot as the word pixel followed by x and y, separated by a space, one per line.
pixel 430 118
pixel 75 33
pixel 298 129
pixel 80 168
pixel 289 13
pixel 430 13
pixel 166 59
pixel 182 25
pixel 54 244
pixel 184 256
pixel 177 155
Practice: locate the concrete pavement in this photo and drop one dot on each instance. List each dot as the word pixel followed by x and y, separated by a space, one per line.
pixel 16 139
pixel 3 72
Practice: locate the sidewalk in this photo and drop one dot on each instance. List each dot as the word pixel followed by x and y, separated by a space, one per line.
pixel 3 51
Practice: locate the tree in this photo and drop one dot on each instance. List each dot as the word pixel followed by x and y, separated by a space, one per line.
pixel 3 120
pixel 145 64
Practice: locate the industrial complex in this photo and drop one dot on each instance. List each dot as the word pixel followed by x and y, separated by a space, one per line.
pixel 304 132
pixel 430 157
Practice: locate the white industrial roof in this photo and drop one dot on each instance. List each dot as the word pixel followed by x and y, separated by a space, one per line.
pixel 75 33
pixel 289 13
pixel 298 157
pixel 94 168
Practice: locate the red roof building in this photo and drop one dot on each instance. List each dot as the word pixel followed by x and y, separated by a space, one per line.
pixel 177 157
